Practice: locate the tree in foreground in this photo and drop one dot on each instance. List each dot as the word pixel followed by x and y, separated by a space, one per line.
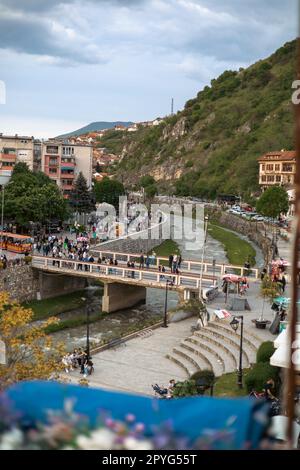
pixel 29 352
pixel 273 202
pixel 81 198
pixel 109 190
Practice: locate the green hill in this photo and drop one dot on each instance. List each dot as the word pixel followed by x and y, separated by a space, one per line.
pixel 212 145
pixel 95 126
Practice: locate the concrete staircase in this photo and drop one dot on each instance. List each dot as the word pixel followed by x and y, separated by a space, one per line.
pixel 214 347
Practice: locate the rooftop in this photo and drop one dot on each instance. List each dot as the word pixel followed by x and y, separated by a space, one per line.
pixel 279 155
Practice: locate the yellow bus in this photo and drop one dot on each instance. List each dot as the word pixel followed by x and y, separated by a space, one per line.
pixel 15 243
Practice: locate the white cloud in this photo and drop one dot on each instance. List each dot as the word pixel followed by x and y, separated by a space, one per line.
pixel 80 60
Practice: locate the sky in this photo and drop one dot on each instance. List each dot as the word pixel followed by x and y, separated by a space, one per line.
pixel 66 63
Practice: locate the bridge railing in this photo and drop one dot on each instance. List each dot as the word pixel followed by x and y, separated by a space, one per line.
pixel 215 269
pixel 120 272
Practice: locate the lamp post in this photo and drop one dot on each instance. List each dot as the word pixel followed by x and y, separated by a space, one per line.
pixel 234 325
pixel 165 323
pixel 202 257
pixel 4 179
pixel 88 311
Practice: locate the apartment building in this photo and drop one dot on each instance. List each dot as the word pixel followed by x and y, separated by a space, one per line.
pixel 63 161
pixel 15 149
pixel 277 168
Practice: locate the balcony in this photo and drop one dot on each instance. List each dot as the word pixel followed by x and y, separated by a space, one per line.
pixel 68 185
pixel 8 157
pixel 67 175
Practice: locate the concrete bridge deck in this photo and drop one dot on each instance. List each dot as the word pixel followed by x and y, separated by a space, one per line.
pixel 122 274
pixel 188 278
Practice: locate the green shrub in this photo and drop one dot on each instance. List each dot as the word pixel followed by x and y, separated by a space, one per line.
pixel 259 375
pixel 27 259
pixel 185 389
pixel 204 376
pixel 265 351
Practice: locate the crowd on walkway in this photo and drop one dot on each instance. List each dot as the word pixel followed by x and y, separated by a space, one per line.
pixel 78 359
pixel 60 248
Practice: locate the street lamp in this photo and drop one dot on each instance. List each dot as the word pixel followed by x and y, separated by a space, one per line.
pixel 88 311
pixel 4 179
pixel 202 257
pixel 165 323
pixel 234 325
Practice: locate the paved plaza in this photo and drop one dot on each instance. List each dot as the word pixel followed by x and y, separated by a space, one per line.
pixel 142 362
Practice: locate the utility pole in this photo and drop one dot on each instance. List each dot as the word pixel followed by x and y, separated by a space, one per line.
pixel 172 106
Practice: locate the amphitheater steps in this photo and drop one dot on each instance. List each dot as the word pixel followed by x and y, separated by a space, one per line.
pixel 215 347
pixel 182 362
pixel 249 338
pixel 233 343
pixel 212 360
pixel 222 355
pixel 229 347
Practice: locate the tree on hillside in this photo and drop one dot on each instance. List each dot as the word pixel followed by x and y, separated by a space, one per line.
pixel 146 180
pixel 273 202
pixel 81 198
pixel 32 197
pixel 29 352
pixel 150 191
pixel 109 190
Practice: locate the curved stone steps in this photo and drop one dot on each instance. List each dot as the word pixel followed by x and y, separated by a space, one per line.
pixel 250 338
pixel 217 355
pixel 183 364
pixel 194 365
pixel 232 342
pixel 223 350
pixel 210 360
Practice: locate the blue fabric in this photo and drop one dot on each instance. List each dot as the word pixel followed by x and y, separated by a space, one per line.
pixel 190 416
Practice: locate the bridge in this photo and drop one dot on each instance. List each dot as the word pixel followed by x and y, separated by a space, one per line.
pixel 124 287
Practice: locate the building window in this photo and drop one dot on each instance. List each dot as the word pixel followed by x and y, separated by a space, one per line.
pixel 7 164
pixel 263 167
pixel 52 170
pixel 278 179
pixel 277 167
pixel 9 151
pixel 287 167
pixel 52 149
pixel 270 167
pixel 263 178
pixel 68 150
pixel 270 178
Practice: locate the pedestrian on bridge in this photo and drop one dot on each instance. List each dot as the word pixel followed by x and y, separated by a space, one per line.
pixel 147 262
pixel 132 272
pixel 171 262
pixel 142 261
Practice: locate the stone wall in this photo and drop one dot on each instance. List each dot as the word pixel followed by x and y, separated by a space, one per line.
pixel 24 283
pixel 21 282
pixel 254 231
pixel 135 243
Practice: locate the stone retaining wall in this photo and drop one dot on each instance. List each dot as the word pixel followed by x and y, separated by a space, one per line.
pixel 135 243
pixel 21 282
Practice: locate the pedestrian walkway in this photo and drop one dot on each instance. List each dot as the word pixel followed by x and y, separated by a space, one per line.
pixel 144 361
pixel 141 363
